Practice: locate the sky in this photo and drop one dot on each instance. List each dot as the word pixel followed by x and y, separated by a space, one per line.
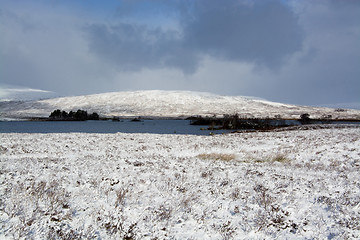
pixel 304 52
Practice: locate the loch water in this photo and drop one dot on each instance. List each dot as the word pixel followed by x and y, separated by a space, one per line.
pixel 123 126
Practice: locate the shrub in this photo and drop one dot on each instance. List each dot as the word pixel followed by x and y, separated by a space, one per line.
pixel 93 116
pixel 55 114
pixel 305 117
pixel 81 115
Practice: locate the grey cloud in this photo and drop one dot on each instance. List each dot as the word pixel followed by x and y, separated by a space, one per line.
pixel 132 47
pixel 308 54
pixel 264 33
pixel 47 56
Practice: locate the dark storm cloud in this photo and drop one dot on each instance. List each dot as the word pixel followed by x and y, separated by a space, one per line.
pixel 134 46
pixel 262 32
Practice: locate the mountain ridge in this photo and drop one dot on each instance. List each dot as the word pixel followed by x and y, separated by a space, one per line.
pixel 169 104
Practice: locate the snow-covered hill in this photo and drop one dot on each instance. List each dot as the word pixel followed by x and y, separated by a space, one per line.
pixel 178 104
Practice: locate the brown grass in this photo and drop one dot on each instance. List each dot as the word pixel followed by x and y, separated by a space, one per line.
pixel 280 158
pixel 217 156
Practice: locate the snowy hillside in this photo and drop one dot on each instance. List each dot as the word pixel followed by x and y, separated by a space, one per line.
pixel 167 104
pixel 273 185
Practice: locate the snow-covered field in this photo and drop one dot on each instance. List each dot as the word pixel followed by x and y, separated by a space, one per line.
pixel 301 184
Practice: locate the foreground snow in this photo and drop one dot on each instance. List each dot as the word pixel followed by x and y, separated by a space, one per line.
pixel 287 185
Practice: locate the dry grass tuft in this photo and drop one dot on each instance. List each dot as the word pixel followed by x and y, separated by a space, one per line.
pixel 280 158
pixel 217 156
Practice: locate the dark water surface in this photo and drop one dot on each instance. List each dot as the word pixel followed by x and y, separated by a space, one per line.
pixel 126 126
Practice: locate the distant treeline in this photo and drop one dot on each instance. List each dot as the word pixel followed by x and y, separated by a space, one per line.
pixel 79 115
pixel 235 122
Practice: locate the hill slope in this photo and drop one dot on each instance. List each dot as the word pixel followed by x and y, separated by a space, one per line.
pixel 178 104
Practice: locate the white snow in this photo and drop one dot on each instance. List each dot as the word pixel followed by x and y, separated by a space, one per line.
pixel 302 184
pixel 22 94
pixel 178 104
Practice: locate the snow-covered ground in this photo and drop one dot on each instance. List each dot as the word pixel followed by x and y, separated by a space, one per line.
pixel 178 104
pixel 301 184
